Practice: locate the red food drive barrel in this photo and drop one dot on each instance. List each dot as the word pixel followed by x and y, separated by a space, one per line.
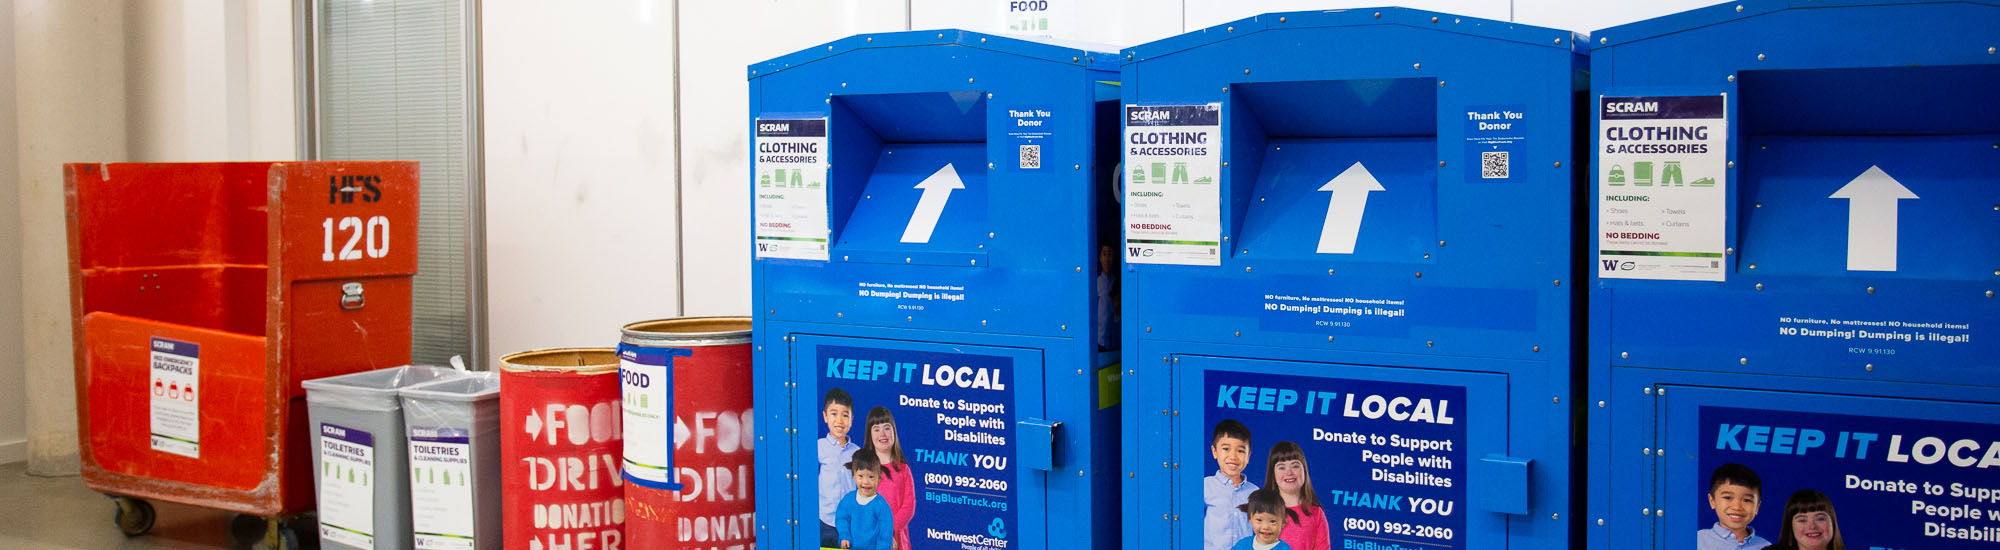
pixel 560 442
pixel 689 439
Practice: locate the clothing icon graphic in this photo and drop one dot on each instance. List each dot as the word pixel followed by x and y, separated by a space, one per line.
pixel 1671 174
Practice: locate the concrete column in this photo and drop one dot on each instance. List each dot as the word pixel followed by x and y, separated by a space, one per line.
pixel 13 414
pixel 70 102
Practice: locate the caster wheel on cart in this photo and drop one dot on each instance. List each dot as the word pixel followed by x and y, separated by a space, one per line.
pixel 246 529
pixel 278 535
pixel 294 533
pixel 134 517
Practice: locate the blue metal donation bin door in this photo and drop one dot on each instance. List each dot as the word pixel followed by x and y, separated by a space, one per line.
pixel 1350 262
pixel 1797 251
pixel 931 312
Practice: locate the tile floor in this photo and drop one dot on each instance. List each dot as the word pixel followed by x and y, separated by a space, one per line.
pixel 38 513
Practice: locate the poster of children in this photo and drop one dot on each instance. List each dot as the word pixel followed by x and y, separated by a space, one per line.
pixel 1308 463
pixel 1787 479
pixel 913 451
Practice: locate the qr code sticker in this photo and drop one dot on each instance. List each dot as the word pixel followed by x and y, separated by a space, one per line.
pixel 1031 157
pixel 1493 165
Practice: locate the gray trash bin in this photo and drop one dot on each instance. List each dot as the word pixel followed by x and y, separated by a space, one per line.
pixel 361 458
pixel 454 431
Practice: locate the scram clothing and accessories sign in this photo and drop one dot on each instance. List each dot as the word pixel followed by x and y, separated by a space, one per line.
pixel 1173 197
pixel 791 202
pixel 1662 188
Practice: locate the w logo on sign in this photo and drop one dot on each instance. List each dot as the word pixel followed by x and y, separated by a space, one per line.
pixel 1615 265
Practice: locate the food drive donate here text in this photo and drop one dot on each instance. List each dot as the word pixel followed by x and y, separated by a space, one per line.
pixel 572 465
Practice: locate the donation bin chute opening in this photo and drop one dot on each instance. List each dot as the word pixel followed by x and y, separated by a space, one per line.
pixel 910 170
pixel 1307 143
pixel 1820 144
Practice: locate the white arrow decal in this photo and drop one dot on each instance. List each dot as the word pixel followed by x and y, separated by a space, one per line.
pixel 680 433
pixel 534 425
pixel 1349 199
pixel 937 189
pixel 1871 219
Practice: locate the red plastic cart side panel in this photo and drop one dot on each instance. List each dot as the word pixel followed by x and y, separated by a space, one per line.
pixel 344 219
pixel 327 340
pixel 170 214
pixel 229 298
pixel 234 456
pixel 338 223
pixel 343 223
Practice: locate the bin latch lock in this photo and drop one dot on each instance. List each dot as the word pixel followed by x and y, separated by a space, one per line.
pixel 1507 482
pixel 350 296
pixel 1038 443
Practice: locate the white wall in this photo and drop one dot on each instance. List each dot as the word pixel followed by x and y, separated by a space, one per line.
pixel 69 87
pixel 271 87
pixel 13 411
pixel 92 81
pixel 579 170
pixel 1107 23
pixel 209 81
pixel 722 40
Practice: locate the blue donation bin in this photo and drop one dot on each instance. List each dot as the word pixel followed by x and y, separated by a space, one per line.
pixel 1793 322
pixel 1351 308
pixel 933 275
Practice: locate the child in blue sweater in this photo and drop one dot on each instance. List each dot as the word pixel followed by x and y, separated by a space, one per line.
pixel 1267 513
pixel 863 517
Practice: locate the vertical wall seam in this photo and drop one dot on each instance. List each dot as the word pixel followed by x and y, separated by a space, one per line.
pixel 680 207
pixel 477 323
pixel 305 93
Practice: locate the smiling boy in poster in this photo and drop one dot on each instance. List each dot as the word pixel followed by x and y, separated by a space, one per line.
pixel 835 451
pixel 1227 491
pixel 1734 491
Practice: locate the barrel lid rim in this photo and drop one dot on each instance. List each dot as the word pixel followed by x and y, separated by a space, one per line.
pixel 508 366
pixel 630 335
